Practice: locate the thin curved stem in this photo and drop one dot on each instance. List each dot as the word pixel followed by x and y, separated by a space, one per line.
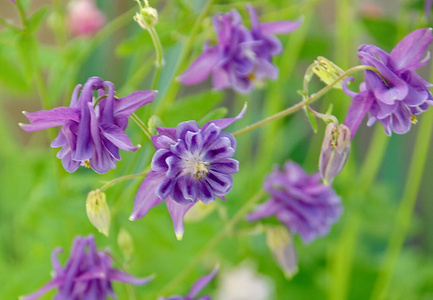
pixel 159 56
pixel 126 177
pixel 141 125
pixel 308 101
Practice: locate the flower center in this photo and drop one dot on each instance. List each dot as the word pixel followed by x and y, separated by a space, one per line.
pixel 196 167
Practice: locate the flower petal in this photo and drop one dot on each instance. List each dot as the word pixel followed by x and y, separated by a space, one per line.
pixel 223 123
pixel 117 136
pixel 125 277
pixel 201 68
pixel 146 197
pixel 49 286
pixel 126 106
pixel 177 213
pixel 359 107
pixel 280 27
pixel 410 50
pixel 44 119
pixel 201 283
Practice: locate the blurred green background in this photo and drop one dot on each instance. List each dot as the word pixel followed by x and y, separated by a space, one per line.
pixel 42 206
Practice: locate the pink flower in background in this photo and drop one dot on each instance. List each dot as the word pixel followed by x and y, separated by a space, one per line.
pixel 84 18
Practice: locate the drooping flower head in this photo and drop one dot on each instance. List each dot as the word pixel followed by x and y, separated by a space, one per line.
pixel 191 164
pixel 93 130
pixel 88 274
pixel 299 201
pixel 196 288
pixel 241 57
pixel 84 18
pixel 394 97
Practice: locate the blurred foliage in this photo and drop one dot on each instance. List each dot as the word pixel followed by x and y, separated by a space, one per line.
pixel 42 206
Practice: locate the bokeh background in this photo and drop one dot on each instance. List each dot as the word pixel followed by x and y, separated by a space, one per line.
pixel 42 206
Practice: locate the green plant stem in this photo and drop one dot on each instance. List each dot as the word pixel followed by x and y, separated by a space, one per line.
pixel 302 104
pixel 159 56
pixel 22 13
pixel 126 177
pixel 141 125
pixel 405 210
pixel 242 212
pixel 182 62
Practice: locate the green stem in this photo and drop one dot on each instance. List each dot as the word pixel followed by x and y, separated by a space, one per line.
pixel 406 208
pixel 141 125
pixel 126 177
pixel 167 289
pixel 182 62
pixel 159 56
pixel 300 105
pixel 22 13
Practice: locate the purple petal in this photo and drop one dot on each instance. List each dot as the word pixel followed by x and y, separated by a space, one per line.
pixel 44 119
pixel 357 110
pixel 205 193
pixel 280 27
pixel 125 277
pixel 177 212
pixel 223 123
pixel 158 160
pixel 165 188
pixel 265 69
pixel 409 52
pixel 220 183
pixel 220 79
pixel 84 146
pixel 106 105
pixel 401 120
pixel 201 68
pixel 255 25
pixel 117 136
pixel 49 286
pixel 178 191
pixel 264 210
pixel 225 165
pixel 201 283
pixel 146 197
pixel 126 106
pixel 184 127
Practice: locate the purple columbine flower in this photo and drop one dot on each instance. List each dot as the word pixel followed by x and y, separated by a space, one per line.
pixel 87 274
pixel 300 201
pixel 196 288
pixel 93 130
pixel 191 164
pixel 241 57
pixel 396 95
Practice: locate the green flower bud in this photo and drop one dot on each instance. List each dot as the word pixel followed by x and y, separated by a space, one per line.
pixel 328 72
pixel 281 244
pixel 147 17
pixel 98 211
pixel 125 243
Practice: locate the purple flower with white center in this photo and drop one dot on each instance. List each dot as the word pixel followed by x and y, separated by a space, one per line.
pixel 190 164
pixel 299 201
pixel 196 288
pixel 87 274
pixel 394 97
pixel 93 130
pixel 241 56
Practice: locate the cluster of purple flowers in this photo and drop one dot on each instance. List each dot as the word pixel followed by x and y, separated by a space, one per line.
pixel 395 95
pixel 241 56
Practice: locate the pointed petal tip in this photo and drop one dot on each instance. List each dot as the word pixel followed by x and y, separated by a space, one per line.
pixel 179 236
pixel 132 218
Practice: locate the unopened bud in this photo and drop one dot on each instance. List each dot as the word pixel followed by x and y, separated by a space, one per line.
pixel 328 72
pixel 126 244
pixel 98 211
pixel 335 151
pixel 281 244
pixel 147 17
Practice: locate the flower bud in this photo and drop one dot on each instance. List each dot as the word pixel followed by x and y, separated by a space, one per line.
pixel 328 72
pixel 280 243
pixel 335 151
pixel 147 17
pixel 126 244
pixel 98 211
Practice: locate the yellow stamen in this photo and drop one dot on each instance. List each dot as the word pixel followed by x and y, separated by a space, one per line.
pixel 87 163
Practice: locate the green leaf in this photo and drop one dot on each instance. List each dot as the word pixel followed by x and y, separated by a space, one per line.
pixel 312 119
pixel 36 19
pixel 192 107
pixel 27 46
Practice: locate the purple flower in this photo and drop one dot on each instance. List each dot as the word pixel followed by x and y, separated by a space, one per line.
pixel 396 95
pixel 190 164
pixel 241 56
pixel 300 202
pixel 93 130
pixel 196 288
pixel 87 274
